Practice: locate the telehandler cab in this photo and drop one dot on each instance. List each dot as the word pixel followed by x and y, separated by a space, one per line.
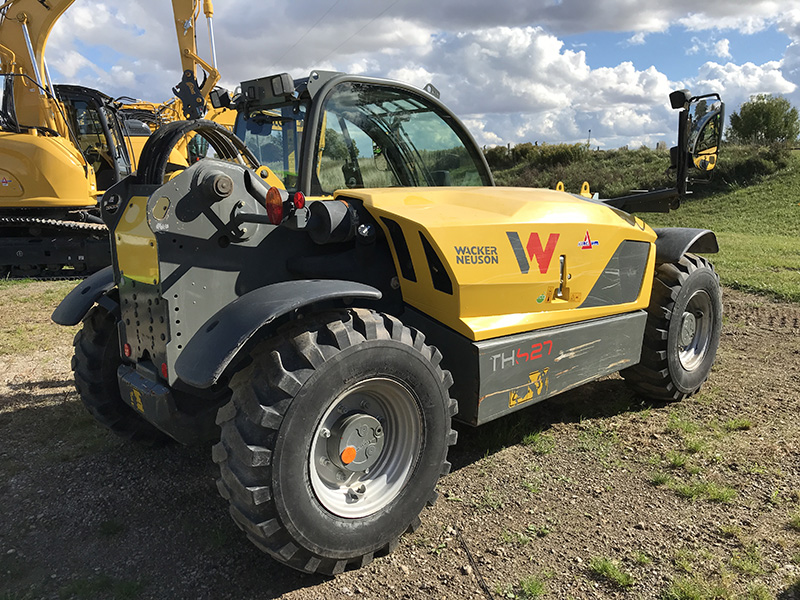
pixel 334 320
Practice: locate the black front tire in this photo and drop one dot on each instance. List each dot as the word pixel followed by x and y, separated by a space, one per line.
pixel 682 334
pixel 95 364
pixel 346 380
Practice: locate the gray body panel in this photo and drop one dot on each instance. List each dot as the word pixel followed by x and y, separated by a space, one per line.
pixel 216 344
pixel 499 376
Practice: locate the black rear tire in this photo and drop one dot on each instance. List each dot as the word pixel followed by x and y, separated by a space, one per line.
pixel 682 334
pixel 95 364
pixel 351 379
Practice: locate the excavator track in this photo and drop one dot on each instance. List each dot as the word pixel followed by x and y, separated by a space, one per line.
pixel 43 248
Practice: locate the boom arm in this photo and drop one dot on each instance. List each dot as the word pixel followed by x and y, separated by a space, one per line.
pixel 25 26
pixel 193 96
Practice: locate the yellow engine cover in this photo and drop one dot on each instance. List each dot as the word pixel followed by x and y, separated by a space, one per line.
pixel 43 172
pixel 518 259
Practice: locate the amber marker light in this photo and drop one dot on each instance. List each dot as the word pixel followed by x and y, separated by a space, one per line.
pixel 274 203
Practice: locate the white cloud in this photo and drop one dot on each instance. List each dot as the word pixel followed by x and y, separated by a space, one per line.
pixel 722 48
pixel 637 39
pixel 502 66
pixel 719 48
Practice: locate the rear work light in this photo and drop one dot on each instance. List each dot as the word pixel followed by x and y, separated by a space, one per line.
pixel 274 204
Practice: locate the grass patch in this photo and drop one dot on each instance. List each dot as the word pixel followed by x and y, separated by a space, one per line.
pixel 794 521
pixel 27 306
pixel 677 423
pixel 676 460
pixel 757 228
pixel 660 478
pixel 609 571
pixel 748 562
pixel 696 490
pixel 694 446
pixel 696 588
pixel 740 424
pixel 540 443
pixel 533 586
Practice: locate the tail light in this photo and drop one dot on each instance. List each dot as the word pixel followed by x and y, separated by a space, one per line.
pixel 164 371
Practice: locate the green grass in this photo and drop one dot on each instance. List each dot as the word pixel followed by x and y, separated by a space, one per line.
pixel 749 561
pixel 738 424
pixel 609 571
pixel 27 328
pixel 696 588
pixel 695 446
pixel 757 228
pixel 533 586
pixel 660 478
pixel 676 460
pixel 539 443
pixel 794 521
pixel 696 490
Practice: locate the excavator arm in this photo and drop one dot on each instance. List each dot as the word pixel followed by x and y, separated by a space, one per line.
pixel 193 95
pixel 25 26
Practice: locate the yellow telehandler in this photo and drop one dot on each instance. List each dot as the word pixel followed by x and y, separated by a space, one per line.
pixel 325 335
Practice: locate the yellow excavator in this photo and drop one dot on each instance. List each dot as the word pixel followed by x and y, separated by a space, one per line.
pixel 62 146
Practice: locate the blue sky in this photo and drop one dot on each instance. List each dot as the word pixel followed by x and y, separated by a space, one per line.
pixel 539 70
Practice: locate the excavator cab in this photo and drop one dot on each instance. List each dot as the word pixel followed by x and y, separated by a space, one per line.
pixel 95 121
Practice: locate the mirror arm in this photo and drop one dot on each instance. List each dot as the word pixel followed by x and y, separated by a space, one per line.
pixel 682 171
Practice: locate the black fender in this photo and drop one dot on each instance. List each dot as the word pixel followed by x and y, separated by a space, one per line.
pixel 674 242
pixel 83 296
pixel 212 349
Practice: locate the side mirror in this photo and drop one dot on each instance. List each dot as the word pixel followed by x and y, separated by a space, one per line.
pixel 706 120
pixel 268 90
pixel 220 98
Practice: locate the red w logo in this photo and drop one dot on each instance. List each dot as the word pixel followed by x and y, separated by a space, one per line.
pixel 543 255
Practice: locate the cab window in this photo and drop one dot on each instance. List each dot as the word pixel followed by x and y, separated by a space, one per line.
pixel 380 136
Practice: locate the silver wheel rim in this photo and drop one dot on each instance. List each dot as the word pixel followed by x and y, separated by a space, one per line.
pixel 695 330
pixel 387 409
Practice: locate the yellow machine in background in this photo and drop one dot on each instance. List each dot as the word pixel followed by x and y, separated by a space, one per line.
pixel 62 146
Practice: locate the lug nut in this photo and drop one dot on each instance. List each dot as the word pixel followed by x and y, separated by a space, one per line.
pixel 326 433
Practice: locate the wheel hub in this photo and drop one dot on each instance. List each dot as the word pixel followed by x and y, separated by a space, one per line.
pixel 356 442
pixel 688 329
pixel 365 447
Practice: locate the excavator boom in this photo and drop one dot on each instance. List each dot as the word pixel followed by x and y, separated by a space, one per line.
pixel 193 95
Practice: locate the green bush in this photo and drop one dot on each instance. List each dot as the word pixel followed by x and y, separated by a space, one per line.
pixel 613 173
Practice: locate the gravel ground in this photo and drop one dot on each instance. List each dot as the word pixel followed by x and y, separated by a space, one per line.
pixel 594 494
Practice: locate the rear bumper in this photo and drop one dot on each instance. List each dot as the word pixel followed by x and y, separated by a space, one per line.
pixel 156 403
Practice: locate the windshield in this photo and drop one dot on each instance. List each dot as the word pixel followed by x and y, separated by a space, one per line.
pixel 274 136
pixel 384 136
